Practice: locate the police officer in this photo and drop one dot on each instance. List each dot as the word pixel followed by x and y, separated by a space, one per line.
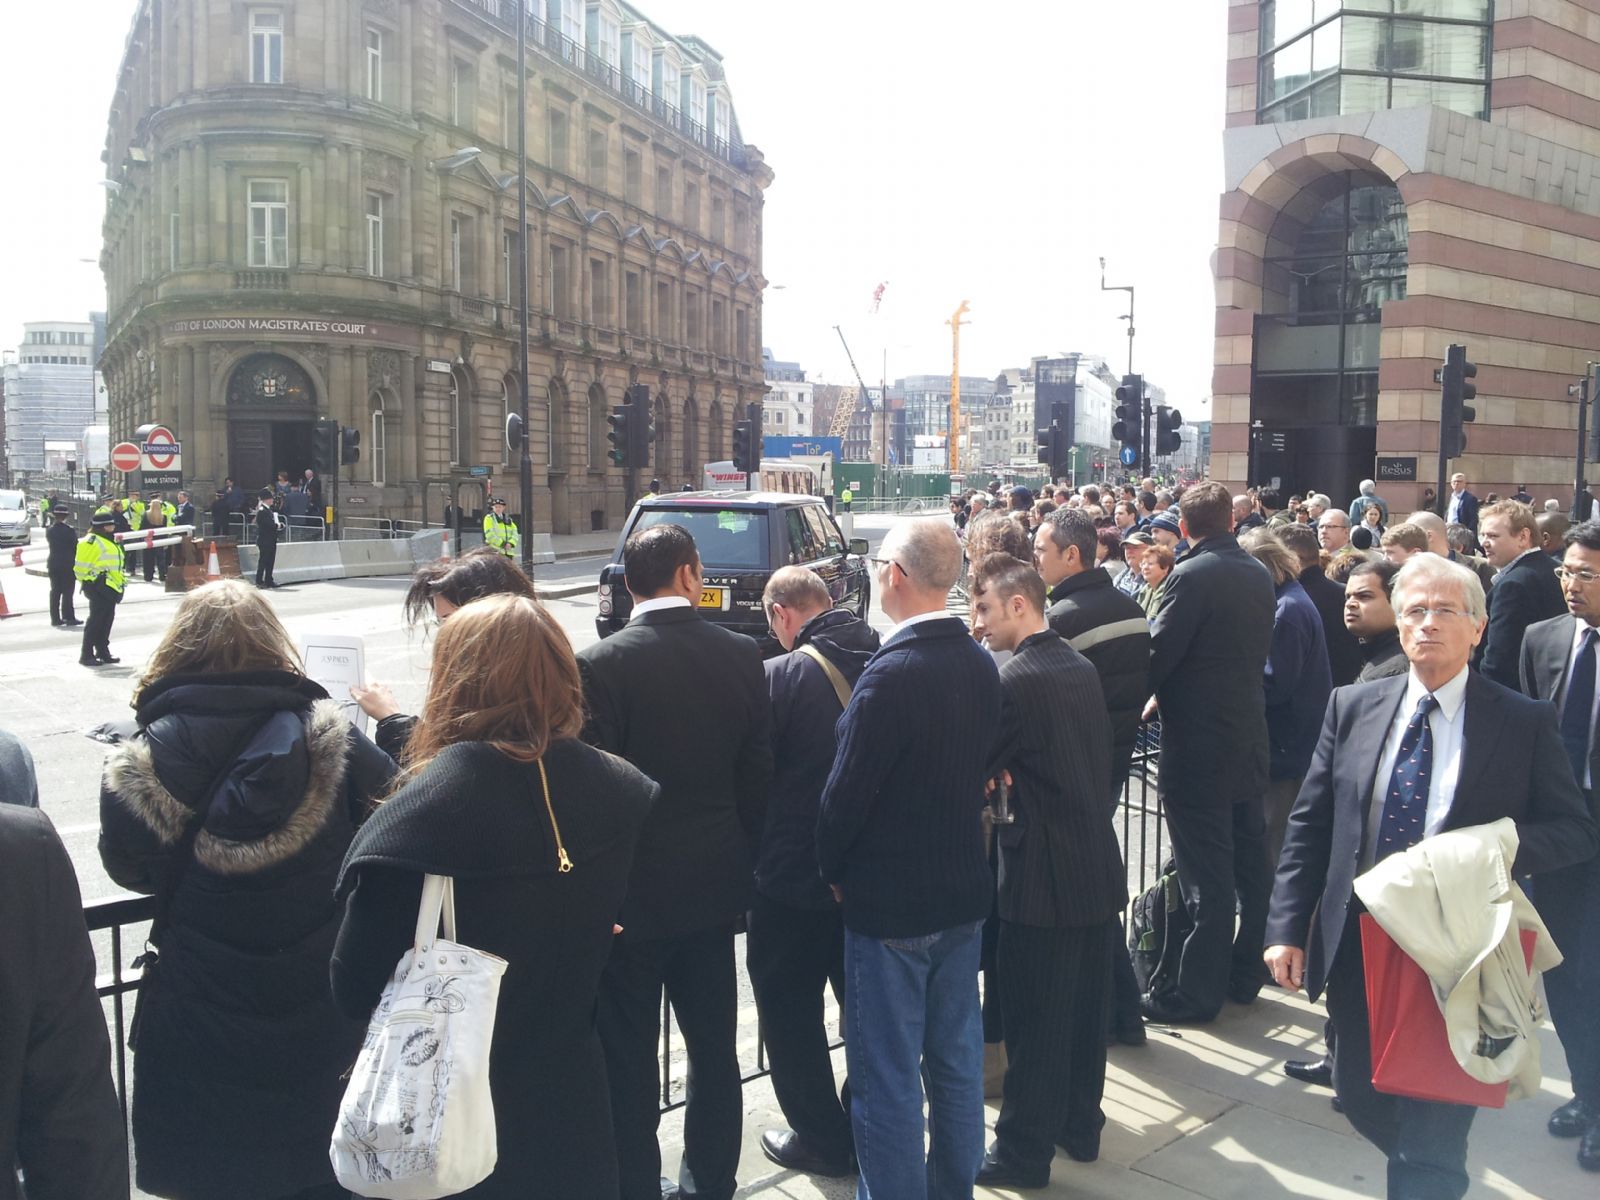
pixel 655 490
pixel 101 567
pixel 266 538
pixel 133 510
pixel 63 540
pixel 498 532
pixel 846 498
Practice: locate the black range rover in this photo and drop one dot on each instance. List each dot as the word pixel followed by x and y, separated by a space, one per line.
pixel 743 537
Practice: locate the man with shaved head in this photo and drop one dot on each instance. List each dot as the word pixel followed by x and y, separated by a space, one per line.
pixel 900 842
pixel 1434 526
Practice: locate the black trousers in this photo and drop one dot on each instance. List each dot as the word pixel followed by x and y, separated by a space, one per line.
pixel 62 581
pixel 697 971
pixel 267 554
pixel 1222 872
pixel 793 954
pixel 97 629
pixel 1569 902
pixel 1425 1142
pixel 1056 999
pixel 155 563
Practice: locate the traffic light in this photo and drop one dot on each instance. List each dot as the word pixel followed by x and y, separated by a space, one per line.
pixel 1049 447
pixel 1168 439
pixel 1455 389
pixel 1129 427
pixel 744 438
pixel 325 447
pixel 620 421
pixel 641 426
pixel 349 446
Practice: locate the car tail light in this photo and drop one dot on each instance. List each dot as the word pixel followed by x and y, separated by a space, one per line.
pixel 605 599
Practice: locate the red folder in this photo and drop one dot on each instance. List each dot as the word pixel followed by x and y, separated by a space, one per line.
pixel 1410 1049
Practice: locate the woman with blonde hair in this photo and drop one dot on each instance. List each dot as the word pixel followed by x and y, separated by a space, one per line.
pixel 538 831
pixel 233 803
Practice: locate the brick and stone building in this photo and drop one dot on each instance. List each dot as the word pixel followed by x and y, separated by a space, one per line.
pixel 313 213
pixel 1395 182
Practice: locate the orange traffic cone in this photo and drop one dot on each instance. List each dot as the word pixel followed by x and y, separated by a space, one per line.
pixel 4 610
pixel 444 554
pixel 213 567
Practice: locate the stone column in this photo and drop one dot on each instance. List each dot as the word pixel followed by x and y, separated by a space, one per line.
pixel 406 260
pixel 332 204
pixel 199 20
pixel 216 228
pixel 319 187
pixel 405 52
pixel 308 242
pixel 354 210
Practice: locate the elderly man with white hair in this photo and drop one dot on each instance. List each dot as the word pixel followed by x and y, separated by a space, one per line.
pixel 1368 497
pixel 1316 504
pixel 1439 748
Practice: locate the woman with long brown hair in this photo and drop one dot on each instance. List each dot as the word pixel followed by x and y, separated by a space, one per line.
pixel 233 803
pixel 538 831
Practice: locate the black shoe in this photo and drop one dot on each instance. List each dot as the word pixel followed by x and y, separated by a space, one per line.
pixel 783 1146
pixel 107 660
pixel 1318 1072
pixel 997 1172
pixel 1131 1035
pixel 1243 993
pixel 1573 1119
pixel 88 662
pixel 1078 1149
pixel 1167 1010
pixel 58 624
pixel 72 622
pixel 1589 1149
pixel 1336 1104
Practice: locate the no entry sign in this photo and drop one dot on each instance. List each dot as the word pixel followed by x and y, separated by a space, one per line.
pixel 125 456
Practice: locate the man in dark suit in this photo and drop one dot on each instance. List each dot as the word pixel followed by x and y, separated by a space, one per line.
pixel 1399 759
pixel 1108 628
pixel 185 514
pixel 59 1119
pixel 266 538
pixel 794 946
pixel 1462 506
pixel 1061 882
pixel 1208 656
pixel 1559 665
pixel 685 701
pixel 900 839
pixel 1525 588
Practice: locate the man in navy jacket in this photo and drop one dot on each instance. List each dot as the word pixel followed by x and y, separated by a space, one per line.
pixel 900 840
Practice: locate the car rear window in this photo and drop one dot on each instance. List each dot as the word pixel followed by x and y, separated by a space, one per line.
pixel 725 537
pixel 12 500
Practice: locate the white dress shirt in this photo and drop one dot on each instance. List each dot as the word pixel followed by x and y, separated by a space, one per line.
pixel 1454 516
pixel 1445 723
pixel 937 614
pixel 656 605
pixel 1579 628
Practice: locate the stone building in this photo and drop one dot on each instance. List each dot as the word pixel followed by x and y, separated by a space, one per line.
pixel 1397 181
pixel 49 395
pixel 314 214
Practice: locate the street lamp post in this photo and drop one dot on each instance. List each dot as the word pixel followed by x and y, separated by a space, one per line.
pixel 526 479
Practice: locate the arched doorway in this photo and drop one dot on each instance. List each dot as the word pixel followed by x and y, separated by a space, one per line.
pixel 1336 255
pixel 272 411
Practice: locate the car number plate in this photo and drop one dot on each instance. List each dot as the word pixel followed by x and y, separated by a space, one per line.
pixel 713 597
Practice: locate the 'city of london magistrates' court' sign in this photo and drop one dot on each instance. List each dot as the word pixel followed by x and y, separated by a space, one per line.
pixel 328 328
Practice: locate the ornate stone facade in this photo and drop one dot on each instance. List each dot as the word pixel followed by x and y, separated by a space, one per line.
pixel 331 186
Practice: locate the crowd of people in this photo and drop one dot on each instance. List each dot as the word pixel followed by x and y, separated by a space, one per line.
pixel 891 817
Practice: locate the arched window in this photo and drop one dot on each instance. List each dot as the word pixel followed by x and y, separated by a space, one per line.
pixel 599 443
pixel 691 439
pixel 377 448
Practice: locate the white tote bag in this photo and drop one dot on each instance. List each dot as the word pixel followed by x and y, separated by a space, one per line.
pixel 417 1121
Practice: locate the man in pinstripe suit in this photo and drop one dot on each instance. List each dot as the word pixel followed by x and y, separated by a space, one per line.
pixel 1061 881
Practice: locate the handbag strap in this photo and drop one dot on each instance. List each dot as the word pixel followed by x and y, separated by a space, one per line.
pixel 438 901
pixel 841 686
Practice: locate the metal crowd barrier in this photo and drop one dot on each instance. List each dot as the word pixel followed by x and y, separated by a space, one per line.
pixel 1139 827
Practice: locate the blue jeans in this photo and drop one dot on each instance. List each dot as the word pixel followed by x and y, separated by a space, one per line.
pixel 913 1018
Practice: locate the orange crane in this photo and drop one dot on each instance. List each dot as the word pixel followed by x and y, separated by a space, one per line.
pixel 953 442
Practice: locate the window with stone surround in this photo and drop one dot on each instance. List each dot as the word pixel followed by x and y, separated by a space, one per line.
pixel 268 222
pixel 266 45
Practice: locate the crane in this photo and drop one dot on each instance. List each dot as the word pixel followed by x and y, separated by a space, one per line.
pixel 844 412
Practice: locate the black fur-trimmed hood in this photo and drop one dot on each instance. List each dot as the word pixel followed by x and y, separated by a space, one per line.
pixel 264 759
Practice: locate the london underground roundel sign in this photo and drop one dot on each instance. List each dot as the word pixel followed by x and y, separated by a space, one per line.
pixel 125 456
pixel 160 449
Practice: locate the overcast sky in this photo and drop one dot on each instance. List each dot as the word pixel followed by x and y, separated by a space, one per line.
pixel 991 155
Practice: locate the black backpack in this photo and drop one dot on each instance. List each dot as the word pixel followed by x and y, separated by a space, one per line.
pixel 1157 930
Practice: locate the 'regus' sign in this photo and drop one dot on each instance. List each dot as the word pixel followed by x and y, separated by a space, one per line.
pixel 1400 469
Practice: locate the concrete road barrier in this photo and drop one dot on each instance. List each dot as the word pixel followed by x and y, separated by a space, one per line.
pixel 297 562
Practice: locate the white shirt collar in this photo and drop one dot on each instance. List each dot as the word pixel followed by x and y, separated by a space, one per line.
pixel 1449 695
pixel 1579 626
pixel 935 615
pixel 1524 554
pixel 660 602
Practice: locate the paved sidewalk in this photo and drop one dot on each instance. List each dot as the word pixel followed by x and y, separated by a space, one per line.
pixel 1207 1113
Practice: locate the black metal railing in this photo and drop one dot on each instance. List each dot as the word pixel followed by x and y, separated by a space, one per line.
pixel 113 919
pixel 548 38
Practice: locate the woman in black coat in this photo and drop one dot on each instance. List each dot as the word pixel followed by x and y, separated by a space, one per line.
pixel 540 875
pixel 234 803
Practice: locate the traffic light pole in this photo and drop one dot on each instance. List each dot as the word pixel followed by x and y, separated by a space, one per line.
pixel 1146 419
pixel 1580 489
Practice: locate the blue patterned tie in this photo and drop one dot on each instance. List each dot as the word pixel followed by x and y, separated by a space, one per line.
pixel 1577 710
pixel 1405 808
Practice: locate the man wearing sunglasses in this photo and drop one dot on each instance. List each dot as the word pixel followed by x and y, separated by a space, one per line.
pixel 1559 665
